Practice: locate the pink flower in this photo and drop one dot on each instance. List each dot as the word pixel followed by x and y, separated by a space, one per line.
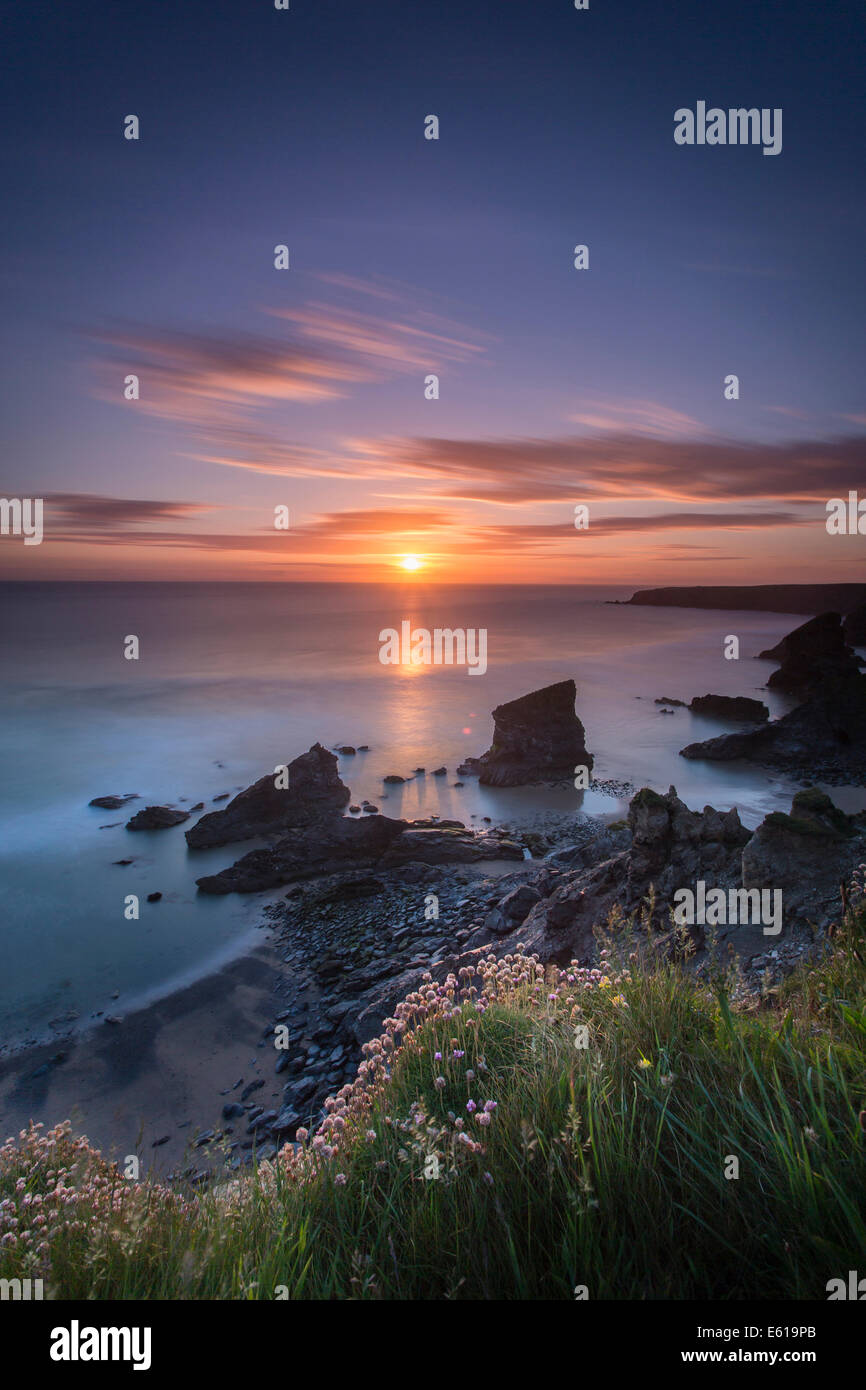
pixel 471 1106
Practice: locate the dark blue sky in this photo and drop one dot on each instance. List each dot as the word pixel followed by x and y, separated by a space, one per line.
pixel 306 127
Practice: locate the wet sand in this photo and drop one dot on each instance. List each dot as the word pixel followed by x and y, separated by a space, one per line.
pixel 159 1071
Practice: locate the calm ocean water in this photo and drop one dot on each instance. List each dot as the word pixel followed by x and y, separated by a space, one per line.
pixel 248 676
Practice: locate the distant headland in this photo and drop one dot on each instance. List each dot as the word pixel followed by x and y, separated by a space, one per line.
pixel 769 598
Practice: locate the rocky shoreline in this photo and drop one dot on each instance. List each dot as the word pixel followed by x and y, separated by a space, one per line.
pixel 375 904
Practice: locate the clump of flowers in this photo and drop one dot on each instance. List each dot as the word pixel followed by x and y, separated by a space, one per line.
pixel 55 1188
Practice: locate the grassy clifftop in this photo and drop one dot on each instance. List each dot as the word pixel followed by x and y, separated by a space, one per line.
pixel 625 1129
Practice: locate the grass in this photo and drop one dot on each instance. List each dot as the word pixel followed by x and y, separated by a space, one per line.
pixel 608 1166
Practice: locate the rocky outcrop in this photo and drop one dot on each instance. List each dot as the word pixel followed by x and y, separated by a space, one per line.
pixel 438 845
pixel 512 910
pixel 806 855
pixel 823 739
pixel 670 847
pixel 738 707
pixel 812 654
pixel 156 818
pixel 537 738
pixel 314 792
pixel 112 803
pixel 344 843
pixel 339 843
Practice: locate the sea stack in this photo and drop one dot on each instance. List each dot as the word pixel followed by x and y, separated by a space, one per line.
pixel 536 738
pixel 314 792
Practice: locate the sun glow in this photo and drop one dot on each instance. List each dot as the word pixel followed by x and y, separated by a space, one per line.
pixel 410 562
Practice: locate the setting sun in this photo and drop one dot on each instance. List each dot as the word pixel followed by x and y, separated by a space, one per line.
pixel 410 562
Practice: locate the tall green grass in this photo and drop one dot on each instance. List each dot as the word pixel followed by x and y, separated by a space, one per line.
pixel 609 1167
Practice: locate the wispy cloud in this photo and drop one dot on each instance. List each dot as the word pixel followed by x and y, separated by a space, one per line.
pixel 616 466
pixel 638 417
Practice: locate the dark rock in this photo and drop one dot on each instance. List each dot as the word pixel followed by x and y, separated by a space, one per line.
pixel 612 840
pixel 824 737
pixel 154 897
pixel 156 818
pixel 252 1086
pixel 347 750
pixel 296 1092
pixel 442 846
pixel 262 1121
pixel 315 791
pixel 123 863
pixel 440 771
pixel 199 806
pixel 806 855
pixel 536 738
pixel 666 700
pixel 671 848
pixel 730 707
pixel 233 1111
pixel 286 1122
pixel 322 848
pixel 112 803
pixel 813 653
pixel 511 910
pixel 393 779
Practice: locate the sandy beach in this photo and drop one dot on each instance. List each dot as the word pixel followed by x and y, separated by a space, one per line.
pixel 167 1062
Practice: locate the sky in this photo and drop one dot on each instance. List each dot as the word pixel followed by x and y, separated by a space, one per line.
pixel 304 388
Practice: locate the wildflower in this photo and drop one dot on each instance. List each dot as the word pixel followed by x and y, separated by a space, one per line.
pixel 488 1178
pixel 471 1106
pixel 437 1056
pixel 490 1106
pixel 470 1076
pixel 483 1117
pixel 439 1083
pixel 340 1179
pixel 371 1135
pixel 667 1080
pixel 811 1134
pixel 644 1064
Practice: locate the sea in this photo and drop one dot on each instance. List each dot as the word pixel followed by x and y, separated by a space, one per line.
pixel 235 679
